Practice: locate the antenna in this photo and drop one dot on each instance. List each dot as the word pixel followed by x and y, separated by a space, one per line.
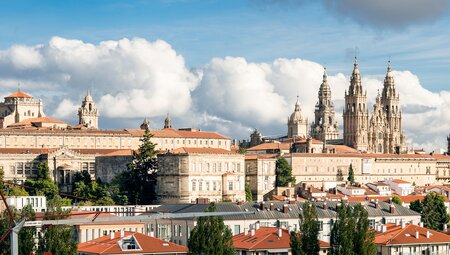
pixel 356 54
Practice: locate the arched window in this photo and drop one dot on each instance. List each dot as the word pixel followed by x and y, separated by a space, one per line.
pixel 379 147
pixel 194 185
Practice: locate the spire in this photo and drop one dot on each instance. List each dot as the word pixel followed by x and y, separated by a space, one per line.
pixel 297 105
pixel 325 76
pixel 146 124
pixel 389 86
pixel 355 80
pixel 167 122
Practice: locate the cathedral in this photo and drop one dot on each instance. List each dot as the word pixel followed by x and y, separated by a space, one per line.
pixel 381 133
pixel 325 126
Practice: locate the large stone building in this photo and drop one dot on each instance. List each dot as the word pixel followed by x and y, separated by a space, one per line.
pixel 325 126
pixel 186 174
pixel 383 134
pixel 19 106
pixel 297 123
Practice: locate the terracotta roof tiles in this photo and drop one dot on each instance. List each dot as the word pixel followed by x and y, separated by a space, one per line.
pixel 400 236
pixel 18 94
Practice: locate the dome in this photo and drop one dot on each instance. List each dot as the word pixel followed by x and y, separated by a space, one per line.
pixel 88 98
pixel 297 114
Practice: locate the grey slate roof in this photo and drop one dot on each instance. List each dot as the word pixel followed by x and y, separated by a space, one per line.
pixel 277 211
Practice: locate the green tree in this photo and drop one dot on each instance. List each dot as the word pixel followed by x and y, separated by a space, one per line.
pixel 296 243
pixel 242 150
pixel 283 173
pixel 27 234
pixel 5 225
pixel 351 234
pixel 248 193
pixel 2 176
pixel 416 206
pixel 309 228
pixel 397 200
pixel 43 185
pixel 364 237
pixel 138 183
pixel 342 231
pixel 57 239
pixel 351 174
pixel 434 212
pixel 211 236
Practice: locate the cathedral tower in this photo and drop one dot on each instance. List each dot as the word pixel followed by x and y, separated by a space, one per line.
pixel 88 113
pixel 356 116
pixel 390 100
pixel 297 123
pixel 167 122
pixel 325 126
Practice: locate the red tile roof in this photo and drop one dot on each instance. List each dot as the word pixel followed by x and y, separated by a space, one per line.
pixel 265 238
pixel 19 94
pixel 270 146
pixel 399 181
pixel 260 156
pixel 30 121
pixel 396 235
pixel 119 153
pixel 169 133
pixel 148 244
pixel 184 150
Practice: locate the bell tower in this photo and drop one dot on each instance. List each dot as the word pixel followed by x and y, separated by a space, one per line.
pixel 88 113
pixel 325 126
pixel 356 115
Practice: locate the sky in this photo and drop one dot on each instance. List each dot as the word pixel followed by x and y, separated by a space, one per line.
pixel 227 66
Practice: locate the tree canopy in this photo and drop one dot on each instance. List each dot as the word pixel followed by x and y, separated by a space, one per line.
pixel 248 193
pixel 211 236
pixel 95 193
pixel 351 174
pixel 434 211
pixel 43 185
pixel 138 183
pixel 306 240
pixel 283 173
pixel 397 200
pixel 350 234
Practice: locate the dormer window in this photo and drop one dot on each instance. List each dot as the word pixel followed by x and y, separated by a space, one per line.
pixel 129 243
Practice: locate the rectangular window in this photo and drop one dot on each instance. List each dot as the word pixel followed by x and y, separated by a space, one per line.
pixel 85 166
pixel 237 229
pixel 28 168
pixel 20 166
pixel 230 185
pixel 92 168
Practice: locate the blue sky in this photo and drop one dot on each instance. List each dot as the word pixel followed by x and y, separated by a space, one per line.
pixel 258 53
pixel 257 30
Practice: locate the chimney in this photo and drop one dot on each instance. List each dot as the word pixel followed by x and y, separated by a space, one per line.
pixel 152 234
pixel 397 222
pixel 245 231
pixel 445 227
pixel 280 232
pixel 417 234
pixel 285 209
pixel 428 234
pixel 378 228
pixel 403 224
pixel 383 228
pixel 376 204
pixel 392 208
pixel 325 205
pixel 261 206
pixel 272 207
pixel 257 225
pixel 122 233
pixel 111 235
pixel 291 201
pixel 421 224
pixel 252 232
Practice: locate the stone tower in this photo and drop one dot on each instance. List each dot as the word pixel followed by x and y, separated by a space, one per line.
pixel 325 126
pixel 88 113
pixel 448 145
pixel 255 138
pixel 297 123
pixel 167 122
pixel 390 100
pixel 378 128
pixel 356 116
pixel 145 125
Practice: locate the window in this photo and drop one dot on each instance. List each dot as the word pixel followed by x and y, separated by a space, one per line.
pixel 20 167
pixel 214 186
pixel 92 168
pixel 237 229
pixel 28 168
pixel 230 185
pixel 200 185
pixel 194 185
pixel 207 186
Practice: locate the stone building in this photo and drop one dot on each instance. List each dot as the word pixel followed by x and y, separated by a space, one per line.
pixel 19 106
pixel 297 123
pixel 260 175
pixel 325 126
pixel 186 174
pixel 315 169
pixel 383 134
pixel 88 113
pixel 356 115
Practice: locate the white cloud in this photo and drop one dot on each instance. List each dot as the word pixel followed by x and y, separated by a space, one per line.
pixel 135 78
